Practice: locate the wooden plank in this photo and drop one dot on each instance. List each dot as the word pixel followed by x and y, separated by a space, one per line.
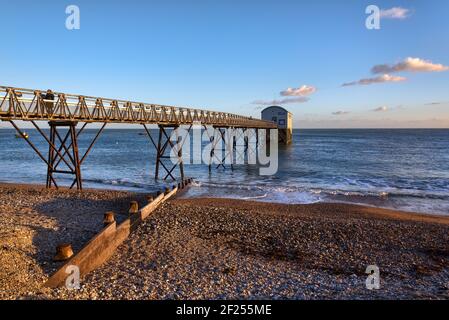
pixel 100 248
pixel 149 208
pixel 87 259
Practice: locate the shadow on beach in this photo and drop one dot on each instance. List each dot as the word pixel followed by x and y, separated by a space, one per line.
pixel 35 220
pixel 77 218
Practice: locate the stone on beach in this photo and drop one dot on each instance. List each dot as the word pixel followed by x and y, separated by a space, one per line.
pixel 227 249
pixel 222 249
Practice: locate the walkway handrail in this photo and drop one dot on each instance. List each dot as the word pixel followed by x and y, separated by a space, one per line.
pixel 29 104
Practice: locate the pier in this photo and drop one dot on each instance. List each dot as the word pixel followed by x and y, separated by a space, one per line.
pixel 69 114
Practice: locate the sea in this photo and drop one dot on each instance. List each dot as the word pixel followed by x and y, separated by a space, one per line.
pixel 404 169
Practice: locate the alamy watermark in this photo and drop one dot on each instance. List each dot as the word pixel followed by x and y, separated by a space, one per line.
pixel 227 146
pixel 73 20
pixel 373 280
pixel 72 281
pixel 372 22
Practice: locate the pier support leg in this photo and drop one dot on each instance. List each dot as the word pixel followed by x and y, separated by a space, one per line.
pixel 162 148
pixel 251 145
pixel 219 137
pixel 70 156
pixel 61 151
pixel 257 139
pixel 240 145
pixel 212 148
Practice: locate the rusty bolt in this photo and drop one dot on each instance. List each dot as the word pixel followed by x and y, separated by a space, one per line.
pixel 108 218
pixel 134 207
pixel 63 252
pixel 167 191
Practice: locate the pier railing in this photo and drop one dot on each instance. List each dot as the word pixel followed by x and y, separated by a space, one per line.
pixel 65 111
pixel 27 104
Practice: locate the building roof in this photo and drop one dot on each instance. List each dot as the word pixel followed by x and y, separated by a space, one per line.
pixel 279 107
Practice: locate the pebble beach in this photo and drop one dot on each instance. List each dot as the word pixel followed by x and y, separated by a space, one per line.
pixel 223 249
pixel 33 221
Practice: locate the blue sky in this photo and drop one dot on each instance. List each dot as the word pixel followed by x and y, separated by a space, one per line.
pixel 226 55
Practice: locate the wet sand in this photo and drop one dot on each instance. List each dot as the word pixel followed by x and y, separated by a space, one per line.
pixel 226 249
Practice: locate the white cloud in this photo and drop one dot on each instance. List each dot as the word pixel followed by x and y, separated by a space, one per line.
pixel 281 101
pixel 395 13
pixel 410 65
pixel 380 79
pixel 302 91
pixel 381 109
pixel 340 113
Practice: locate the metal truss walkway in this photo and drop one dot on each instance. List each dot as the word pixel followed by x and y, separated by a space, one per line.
pixel 64 112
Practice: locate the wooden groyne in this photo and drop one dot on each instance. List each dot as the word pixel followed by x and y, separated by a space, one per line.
pixel 103 245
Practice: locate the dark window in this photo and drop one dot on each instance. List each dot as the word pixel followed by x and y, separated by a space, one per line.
pixel 274 119
pixel 282 122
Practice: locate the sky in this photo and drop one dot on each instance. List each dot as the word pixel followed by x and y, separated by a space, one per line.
pixel 315 58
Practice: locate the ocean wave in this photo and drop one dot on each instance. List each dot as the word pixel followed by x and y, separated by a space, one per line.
pixel 118 182
pixel 328 191
pixel 126 184
pixel 255 197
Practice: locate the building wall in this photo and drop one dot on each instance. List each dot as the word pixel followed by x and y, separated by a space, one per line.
pixel 278 115
pixel 283 119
